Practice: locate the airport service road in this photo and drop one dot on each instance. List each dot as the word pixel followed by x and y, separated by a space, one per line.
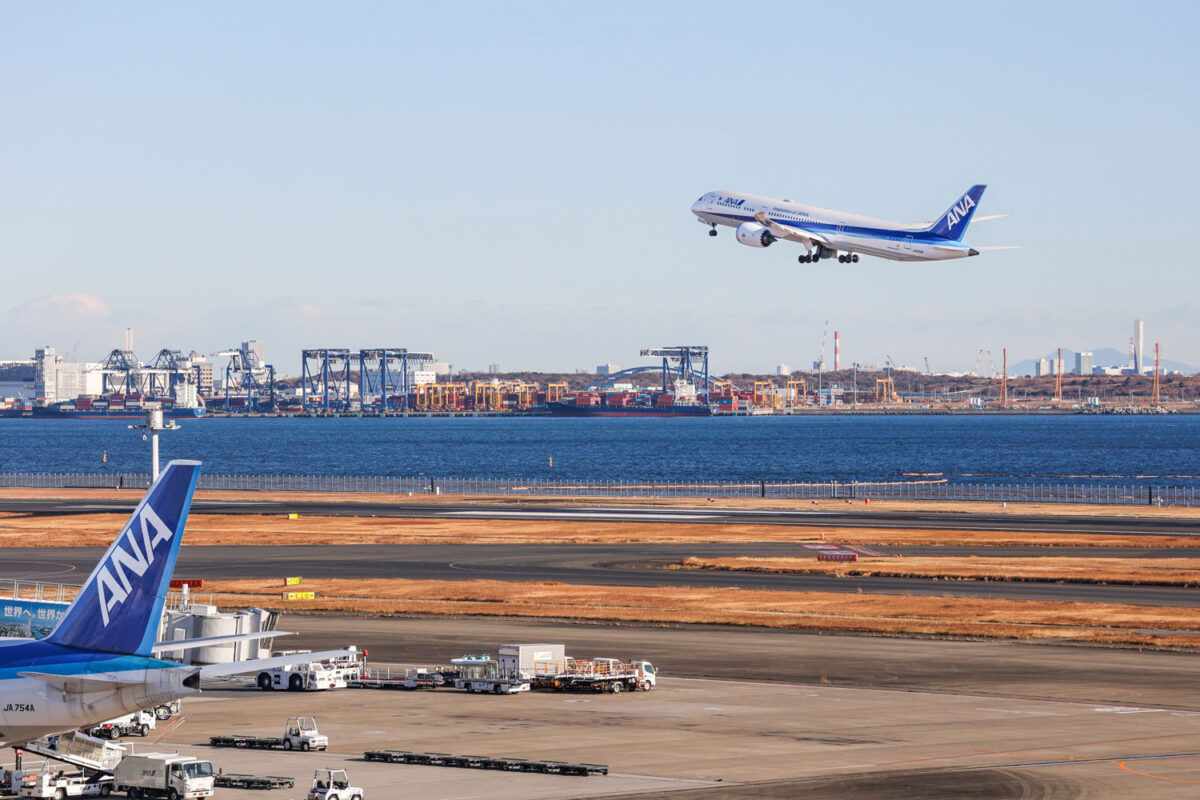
pixel 852 718
pixel 617 565
pixel 1098 523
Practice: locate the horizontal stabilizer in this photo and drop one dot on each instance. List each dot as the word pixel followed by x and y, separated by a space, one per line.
pixel 214 641
pixel 244 667
pixel 79 684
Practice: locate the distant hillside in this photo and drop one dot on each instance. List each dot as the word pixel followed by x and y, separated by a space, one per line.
pixel 1101 357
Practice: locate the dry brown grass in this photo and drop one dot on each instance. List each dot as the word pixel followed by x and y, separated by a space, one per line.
pixel 98 530
pixel 1142 571
pixel 1097 623
pixel 349 498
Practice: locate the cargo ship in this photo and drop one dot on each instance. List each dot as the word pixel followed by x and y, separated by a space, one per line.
pixel 85 408
pixel 681 403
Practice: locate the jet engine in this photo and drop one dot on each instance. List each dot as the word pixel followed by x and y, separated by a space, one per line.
pixel 752 234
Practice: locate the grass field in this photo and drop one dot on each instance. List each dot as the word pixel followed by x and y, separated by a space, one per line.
pixel 98 530
pixel 1093 623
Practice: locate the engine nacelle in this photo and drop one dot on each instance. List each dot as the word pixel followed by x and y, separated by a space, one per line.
pixel 752 234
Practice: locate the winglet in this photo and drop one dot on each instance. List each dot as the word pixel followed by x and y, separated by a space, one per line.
pixel 119 608
pixel 953 224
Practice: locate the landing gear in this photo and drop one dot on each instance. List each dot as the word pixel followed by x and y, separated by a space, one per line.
pixel 848 258
pixel 854 257
pixel 712 231
pixel 804 259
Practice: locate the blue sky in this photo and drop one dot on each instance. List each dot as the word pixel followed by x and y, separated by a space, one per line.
pixel 510 182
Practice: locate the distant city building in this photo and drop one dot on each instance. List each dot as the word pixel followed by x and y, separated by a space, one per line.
pixel 1083 363
pixel 56 380
pixel 493 369
pixel 783 370
pixel 203 369
pixel 441 367
pixel 1042 367
pixel 604 370
pixel 419 377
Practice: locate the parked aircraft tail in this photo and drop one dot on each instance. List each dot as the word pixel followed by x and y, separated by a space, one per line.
pixel 119 608
pixel 953 224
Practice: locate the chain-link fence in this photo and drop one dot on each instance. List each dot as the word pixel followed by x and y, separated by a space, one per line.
pixel 1014 492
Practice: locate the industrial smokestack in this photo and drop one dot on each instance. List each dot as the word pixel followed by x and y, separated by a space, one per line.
pixel 1139 346
pixel 837 351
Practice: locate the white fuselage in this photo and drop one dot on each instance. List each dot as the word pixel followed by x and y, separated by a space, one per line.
pixel 31 708
pixel 841 231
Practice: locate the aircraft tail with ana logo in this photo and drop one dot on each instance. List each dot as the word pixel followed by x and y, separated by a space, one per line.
pixel 119 608
pixel 953 224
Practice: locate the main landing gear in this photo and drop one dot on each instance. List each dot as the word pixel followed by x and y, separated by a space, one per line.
pixel 811 258
pixel 849 258
pixel 712 231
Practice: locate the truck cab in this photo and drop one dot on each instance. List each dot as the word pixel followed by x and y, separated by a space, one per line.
pixel 646 674
pixel 167 775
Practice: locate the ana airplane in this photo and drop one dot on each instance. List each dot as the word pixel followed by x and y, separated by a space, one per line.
pixel 100 661
pixel 761 221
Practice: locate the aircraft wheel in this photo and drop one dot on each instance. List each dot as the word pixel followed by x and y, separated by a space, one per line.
pixel 854 258
pixel 815 258
pixel 712 232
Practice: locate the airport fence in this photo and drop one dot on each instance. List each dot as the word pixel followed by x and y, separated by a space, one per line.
pixel 1013 492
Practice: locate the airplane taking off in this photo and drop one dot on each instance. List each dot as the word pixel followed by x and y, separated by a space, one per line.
pixel 761 221
pixel 99 662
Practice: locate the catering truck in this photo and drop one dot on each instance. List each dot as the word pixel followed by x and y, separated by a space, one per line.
pixel 167 775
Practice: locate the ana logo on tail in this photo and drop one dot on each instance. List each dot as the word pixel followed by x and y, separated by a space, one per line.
pixel 959 210
pixel 112 591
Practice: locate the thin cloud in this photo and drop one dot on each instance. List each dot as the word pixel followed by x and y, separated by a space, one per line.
pixel 60 306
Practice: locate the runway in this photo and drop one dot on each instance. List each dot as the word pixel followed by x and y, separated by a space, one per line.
pixel 615 565
pixel 852 517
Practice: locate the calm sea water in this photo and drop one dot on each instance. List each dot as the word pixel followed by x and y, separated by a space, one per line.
pixel 1160 449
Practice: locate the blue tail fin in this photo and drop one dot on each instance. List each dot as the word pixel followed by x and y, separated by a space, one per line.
pixel 953 224
pixel 119 608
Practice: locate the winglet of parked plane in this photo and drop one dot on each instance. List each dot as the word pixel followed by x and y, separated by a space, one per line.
pixel 119 607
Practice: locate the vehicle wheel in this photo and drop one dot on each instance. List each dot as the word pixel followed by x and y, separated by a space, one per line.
pixel 135 793
pixel 356 797
pixel 105 790
pixel 304 746
pixel 264 681
pixel 173 794
pixel 287 744
pixel 61 794
pixel 617 688
pixel 163 713
pixel 295 683
pixel 143 730
pixel 645 686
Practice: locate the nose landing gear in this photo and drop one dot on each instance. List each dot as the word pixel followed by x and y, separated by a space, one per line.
pixel 712 231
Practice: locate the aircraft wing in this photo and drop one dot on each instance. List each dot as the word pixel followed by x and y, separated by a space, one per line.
pixel 212 641
pixel 243 667
pixel 79 684
pixel 807 238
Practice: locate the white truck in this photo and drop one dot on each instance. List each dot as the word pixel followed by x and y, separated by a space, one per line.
pixel 168 775
pixel 309 676
pixel 59 785
pixel 484 676
pixel 139 723
pixel 334 784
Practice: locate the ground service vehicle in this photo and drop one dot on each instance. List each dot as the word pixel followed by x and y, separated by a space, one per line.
pixel 59 784
pixel 139 723
pixel 168 775
pixel 309 676
pixel 601 675
pixel 333 784
pixel 299 733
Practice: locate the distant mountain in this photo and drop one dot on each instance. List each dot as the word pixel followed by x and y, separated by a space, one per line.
pixel 1101 357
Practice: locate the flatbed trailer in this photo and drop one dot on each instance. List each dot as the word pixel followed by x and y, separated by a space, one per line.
pixel 299 733
pixel 486 762
pixel 236 780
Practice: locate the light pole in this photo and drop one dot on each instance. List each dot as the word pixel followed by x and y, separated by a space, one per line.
pixel 152 427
